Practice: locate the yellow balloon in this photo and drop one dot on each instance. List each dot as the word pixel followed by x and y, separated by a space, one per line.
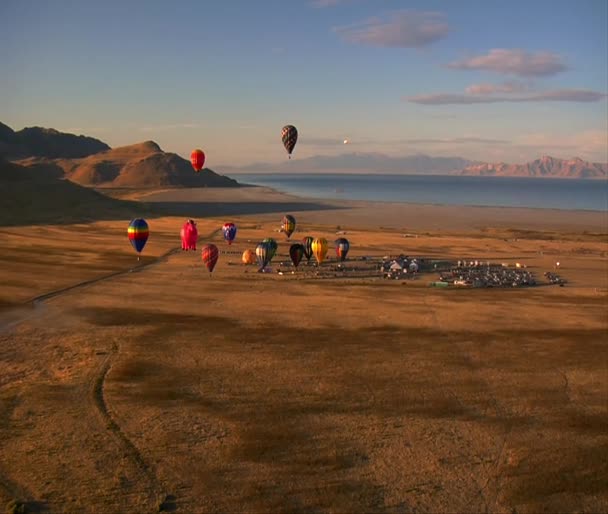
pixel 319 249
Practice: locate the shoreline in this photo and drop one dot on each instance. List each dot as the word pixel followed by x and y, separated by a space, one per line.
pixel 265 202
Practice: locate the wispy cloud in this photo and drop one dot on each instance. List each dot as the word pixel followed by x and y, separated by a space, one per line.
pixel 457 141
pixel 560 95
pixel 513 62
pixel 505 87
pixel 173 126
pixel 324 141
pixel 590 143
pixel 401 29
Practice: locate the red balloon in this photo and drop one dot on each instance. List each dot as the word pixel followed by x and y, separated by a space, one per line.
pixel 210 254
pixel 197 158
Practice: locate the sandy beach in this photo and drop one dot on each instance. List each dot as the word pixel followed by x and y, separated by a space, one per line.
pixel 159 387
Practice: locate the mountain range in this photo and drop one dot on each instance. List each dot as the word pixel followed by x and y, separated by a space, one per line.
pixel 91 162
pixel 44 142
pixel 358 162
pixel 546 166
pixel 421 164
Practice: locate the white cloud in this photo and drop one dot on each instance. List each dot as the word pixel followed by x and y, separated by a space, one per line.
pixel 490 89
pixel 513 62
pixel 559 95
pixel 401 29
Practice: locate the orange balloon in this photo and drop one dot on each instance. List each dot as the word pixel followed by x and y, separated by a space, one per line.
pixel 249 257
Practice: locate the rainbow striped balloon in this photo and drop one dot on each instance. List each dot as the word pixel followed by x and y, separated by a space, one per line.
pixel 138 234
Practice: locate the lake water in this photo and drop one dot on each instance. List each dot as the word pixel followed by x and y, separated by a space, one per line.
pixel 545 193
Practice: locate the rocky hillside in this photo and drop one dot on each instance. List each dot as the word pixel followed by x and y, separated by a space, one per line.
pixel 546 166
pixel 140 165
pixel 90 162
pixel 38 195
pixel 48 143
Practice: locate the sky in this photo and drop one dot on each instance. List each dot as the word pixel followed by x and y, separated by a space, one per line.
pixel 484 80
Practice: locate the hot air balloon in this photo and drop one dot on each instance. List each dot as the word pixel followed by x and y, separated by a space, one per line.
pixel 197 158
pixel 229 231
pixel 189 235
pixel 272 245
pixel 319 249
pixel 289 136
pixel 342 246
pixel 296 252
pixel 248 257
pixel 288 225
pixel 307 243
pixel 138 234
pixel 210 255
pixel 264 254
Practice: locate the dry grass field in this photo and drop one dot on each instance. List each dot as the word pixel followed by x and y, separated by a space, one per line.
pixel 170 389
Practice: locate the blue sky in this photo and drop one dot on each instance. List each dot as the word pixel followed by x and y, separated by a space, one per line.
pixel 478 79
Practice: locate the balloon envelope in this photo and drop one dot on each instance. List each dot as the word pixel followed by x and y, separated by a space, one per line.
pixel 307 242
pixel 296 252
pixel 289 136
pixel 210 255
pixel 248 257
pixel 342 247
pixel 189 235
pixel 272 244
pixel 288 225
pixel 229 231
pixel 319 249
pixel 138 233
pixel 197 158
pixel 263 253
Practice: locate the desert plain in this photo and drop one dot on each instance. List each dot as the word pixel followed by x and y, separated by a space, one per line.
pixel 155 386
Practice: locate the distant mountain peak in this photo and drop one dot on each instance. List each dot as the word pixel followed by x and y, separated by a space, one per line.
pixel 545 166
pixel 46 143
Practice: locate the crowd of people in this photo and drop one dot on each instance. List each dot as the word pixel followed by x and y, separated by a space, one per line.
pixel 488 275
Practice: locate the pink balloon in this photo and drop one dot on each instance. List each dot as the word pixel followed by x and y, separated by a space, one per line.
pixel 189 235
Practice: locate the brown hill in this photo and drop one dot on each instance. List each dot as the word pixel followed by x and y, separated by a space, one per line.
pixel 44 142
pixel 546 166
pixel 37 195
pixel 140 165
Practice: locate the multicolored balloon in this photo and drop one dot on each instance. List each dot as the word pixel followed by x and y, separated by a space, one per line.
pixel 197 158
pixel 319 249
pixel 296 252
pixel 272 245
pixel 138 233
pixel 307 243
pixel 289 136
pixel 342 247
pixel 288 225
pixel 210 255
pixel 229 231
pixel 264 254
pixel 248 257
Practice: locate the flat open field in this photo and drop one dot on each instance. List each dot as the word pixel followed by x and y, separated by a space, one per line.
pixel 171 389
